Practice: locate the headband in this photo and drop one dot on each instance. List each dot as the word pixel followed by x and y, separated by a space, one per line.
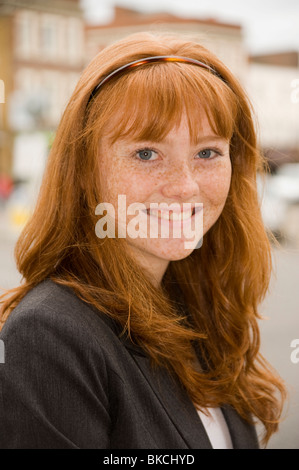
pixel 148 60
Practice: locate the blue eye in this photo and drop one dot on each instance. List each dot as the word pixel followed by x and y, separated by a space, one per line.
pixel 206 153
pixel 146 154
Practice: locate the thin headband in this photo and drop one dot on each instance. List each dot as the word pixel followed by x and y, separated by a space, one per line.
pixel 148 60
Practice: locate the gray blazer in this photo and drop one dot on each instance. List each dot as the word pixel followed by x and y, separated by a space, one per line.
pixel 69 382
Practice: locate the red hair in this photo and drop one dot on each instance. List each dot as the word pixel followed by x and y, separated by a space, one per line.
pixel 222 283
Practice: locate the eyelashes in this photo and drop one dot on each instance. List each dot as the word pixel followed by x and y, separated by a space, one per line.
pixel 148 154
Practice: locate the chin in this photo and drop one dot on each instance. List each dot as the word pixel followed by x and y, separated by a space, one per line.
pixel 172 251
pixel 181 256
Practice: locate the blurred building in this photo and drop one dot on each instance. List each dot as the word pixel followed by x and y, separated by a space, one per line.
pixel 224 39
pixel 273 87
pixel 42 47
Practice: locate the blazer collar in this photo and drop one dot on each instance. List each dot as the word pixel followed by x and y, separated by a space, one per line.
pixel 174 400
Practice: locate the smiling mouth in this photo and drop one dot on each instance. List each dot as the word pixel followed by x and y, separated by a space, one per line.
pixel 171 215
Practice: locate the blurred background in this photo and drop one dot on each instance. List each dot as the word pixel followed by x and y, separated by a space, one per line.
pixel 44 46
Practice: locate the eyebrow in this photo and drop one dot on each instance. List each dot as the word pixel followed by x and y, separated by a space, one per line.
pixel 198 141
pixel 208 138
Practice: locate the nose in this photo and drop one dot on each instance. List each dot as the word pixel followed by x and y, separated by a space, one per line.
pixel 180 183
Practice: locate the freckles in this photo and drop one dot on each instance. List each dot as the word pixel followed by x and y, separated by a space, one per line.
pixel 159 177
pixel 215 188
pixel 221 182
pixel 130 179
pixel 215 183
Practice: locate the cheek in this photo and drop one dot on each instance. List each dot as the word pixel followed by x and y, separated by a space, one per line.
pixel 128 180
pixel 216 184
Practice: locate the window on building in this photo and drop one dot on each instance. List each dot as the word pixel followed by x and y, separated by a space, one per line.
pixel 26 34
pixel 48 37
pixel 75 40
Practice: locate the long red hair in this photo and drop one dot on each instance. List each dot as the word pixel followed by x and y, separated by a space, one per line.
pixel 221 284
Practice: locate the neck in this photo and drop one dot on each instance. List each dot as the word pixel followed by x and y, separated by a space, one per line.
pixel 154 267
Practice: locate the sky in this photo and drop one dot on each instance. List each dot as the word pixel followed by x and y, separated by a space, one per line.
pixel 269 25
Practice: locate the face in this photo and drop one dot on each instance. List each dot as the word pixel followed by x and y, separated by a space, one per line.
pixel 173 170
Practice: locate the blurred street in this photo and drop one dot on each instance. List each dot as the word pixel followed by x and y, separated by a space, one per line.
pixel 9 276
pixel 281 308
pixel 278 330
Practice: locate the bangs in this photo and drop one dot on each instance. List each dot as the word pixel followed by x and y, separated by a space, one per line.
pixel 147 103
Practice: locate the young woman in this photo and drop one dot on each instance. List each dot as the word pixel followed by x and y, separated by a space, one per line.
pixel 123 338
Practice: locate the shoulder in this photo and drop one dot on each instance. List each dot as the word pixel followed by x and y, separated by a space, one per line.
pixel 50 307
pixel 54 334
pixel 59 355
pixel 51 324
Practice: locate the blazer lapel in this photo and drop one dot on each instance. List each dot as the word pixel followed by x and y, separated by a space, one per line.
pixel 175 401
pixel 179 407
pixel 243 434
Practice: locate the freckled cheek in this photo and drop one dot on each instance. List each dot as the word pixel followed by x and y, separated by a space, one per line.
pixel 215 187
pixel 137 186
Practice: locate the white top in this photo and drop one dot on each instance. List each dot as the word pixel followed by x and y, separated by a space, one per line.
pixel 216 428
